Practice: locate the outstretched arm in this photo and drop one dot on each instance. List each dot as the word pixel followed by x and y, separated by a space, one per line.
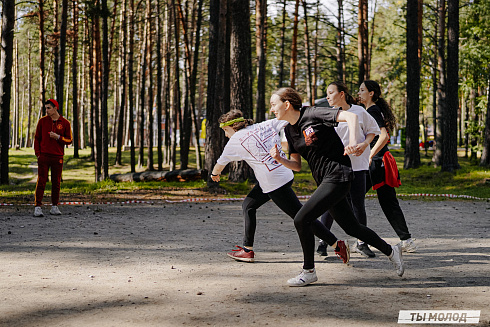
pixel 215 174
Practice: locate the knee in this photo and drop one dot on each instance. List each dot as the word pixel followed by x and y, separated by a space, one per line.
pixel 247 207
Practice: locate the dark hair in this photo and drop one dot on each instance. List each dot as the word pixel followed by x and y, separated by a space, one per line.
pixel 291 95
pixel 234 114
pixel 389 117
pixel 341 87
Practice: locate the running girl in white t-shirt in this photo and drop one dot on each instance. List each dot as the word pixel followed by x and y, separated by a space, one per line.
pixel 252 143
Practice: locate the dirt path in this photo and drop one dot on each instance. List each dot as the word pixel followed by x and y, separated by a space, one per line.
pixel 166 265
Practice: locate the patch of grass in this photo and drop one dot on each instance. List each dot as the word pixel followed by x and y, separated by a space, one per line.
pixel 79 178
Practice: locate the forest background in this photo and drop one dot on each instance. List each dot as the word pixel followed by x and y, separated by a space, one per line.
pixel 148 79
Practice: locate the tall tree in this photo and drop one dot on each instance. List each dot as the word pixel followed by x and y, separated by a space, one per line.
pixel 362 41
pixel 42 54
pixel 309 88
pixel 74 74
pixel 294 47
pixel 159 102
pixel 62 52
pixel 175 108
pixel 450 123
pixel 122 83
pixel 412 155
pixel 6 61
pixel 216 105
pixel 29 94
pixel 485 157
pixel 261 48
pixel 283 44
pixel 340 42
pixel 130 32
pixel 441 86
pixel 105 90
pixel 144 73
pixel 167 81
pixel 241 73
pixel 149 53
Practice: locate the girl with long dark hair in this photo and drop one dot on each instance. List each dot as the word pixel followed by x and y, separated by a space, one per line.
pixel 383 172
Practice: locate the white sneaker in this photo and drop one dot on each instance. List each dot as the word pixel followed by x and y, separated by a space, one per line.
pixel 307 276
pixel 55 211
pixel 38 212
pixel 409 246
pixel 397 260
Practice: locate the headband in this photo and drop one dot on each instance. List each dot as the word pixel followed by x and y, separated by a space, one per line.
pixel 231 122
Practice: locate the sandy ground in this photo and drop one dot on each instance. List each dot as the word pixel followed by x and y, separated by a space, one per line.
pixel 166 265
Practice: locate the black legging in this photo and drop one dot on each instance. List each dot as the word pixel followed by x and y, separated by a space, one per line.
pixel 355 197
pixel 391 208
pixel 332 197
pixel 285 198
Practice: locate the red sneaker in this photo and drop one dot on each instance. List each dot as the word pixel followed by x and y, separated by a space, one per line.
pixel 241 255
pixel 344 251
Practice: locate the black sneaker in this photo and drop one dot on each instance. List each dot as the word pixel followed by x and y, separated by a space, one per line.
pixel 364 250
pixel 322 249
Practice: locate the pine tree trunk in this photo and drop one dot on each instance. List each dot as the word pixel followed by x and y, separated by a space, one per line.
pixel 83 101
pixel 62 53
pixel 74 71
pixel 340 43
pixel 159 104
pixel 29 94
pixel 261 46
pixel 450 130
pixel 130 28
pixel 149 53
pixel 412 155
pixel 283 45
pixel 193 84
pixel 294 48
pixel 168 74
pixel 143 72
pixel 186 127
pixel 309 89
pixel 42 85
pixel 441 86
pixel 122 85
pixel 485 157
pixel 362 40
pixel 216 72
pixel 175 109
pixel 241 74
pixel 97 95
pixel 315 53
pixel 6 54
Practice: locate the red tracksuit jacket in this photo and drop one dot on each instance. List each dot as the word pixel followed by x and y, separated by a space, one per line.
pixel 47 145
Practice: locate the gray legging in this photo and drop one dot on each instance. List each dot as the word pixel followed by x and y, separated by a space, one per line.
pixel 285 198
pixel 332 197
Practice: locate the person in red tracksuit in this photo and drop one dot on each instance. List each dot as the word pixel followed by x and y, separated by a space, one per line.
pixel 53 132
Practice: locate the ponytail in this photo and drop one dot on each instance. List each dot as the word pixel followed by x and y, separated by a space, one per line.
pixel 386 110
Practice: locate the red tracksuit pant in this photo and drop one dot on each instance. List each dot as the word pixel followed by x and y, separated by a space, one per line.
pixel 44 162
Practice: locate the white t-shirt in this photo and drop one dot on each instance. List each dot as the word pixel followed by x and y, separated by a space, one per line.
pixel 367 125
pixel 253 144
